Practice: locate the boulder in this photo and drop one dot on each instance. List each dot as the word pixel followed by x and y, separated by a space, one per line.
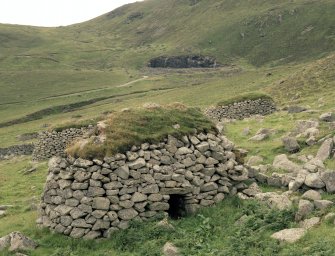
pixel 314 180
pixel 329 179
pixel 311 195
pixel 291 144
pixel 325 150
pixel 289 235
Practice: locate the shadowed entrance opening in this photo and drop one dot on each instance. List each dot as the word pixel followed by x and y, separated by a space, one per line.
pixel 177 206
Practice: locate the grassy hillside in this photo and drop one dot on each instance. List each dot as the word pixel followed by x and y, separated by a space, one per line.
pixel 259 31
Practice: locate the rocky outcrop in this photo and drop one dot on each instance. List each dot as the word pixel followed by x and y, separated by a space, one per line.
pixel 16 241
pixel 91 199
pixel 243 109
pixel 184 61
pixel 17 150
pixel 54 143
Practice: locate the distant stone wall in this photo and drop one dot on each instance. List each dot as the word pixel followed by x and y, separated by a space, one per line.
pixel 54 143
pixel 243 109
pixel 189 61
pixel 17 150
pixel 91 199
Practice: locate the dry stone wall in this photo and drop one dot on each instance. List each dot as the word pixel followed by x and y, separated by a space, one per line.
pixel 54 143
pixel 187 61
pixel 243 109
pixel 92 199
pixel 17 150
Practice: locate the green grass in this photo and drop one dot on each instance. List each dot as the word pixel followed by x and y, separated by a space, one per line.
pixel 135 126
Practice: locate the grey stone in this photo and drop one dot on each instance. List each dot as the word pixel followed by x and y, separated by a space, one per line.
pixel 138 197
pixel 183 151
pixel 305 207
pixel 77 232
pixel 209 187
pixel 329 179
pixel 311 195
pixel 310 223
pixel 323 204
pixel 313 180
pixel 159 206
pixel 137 164
pixel 289 235
pixel 291 144
pixel 150 189
pixel 170 250
pixel 83 163
pixel 325 149
pixel 101 203
pixel 122 172
pixel 328 117
pixel 127 214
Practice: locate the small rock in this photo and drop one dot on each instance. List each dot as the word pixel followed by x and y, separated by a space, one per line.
pixel 323 204
pixel 291 144
pixel 309 223
pixel 328 117
pixel 16 241
pixel 305 207
pixel 170 250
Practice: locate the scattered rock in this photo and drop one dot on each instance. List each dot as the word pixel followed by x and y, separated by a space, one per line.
pixel 314 180
pixel 170 250
pixel 325 149
pixel 323 204
pixel 328 117
pixel 305 207
pixel 289 235
pixel 311 195
pixel 16 241
pixel 310 223
pixel 291 144
pixel 329 179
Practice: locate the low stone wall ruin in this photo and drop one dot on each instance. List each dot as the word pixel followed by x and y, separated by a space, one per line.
pixel 54 143
pixel 16 150
pixel 187 61
pixel 92 199
pixel 241 110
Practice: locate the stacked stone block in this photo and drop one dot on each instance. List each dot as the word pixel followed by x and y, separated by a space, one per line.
pixel 54 143
pixel 94 198
pixel 243 109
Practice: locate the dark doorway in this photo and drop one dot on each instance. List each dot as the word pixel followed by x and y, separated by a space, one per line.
pixel 177 206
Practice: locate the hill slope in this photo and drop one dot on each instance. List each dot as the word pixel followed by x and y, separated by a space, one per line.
pixel 259 31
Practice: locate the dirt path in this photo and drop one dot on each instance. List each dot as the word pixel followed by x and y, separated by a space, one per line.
pixel 96 90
